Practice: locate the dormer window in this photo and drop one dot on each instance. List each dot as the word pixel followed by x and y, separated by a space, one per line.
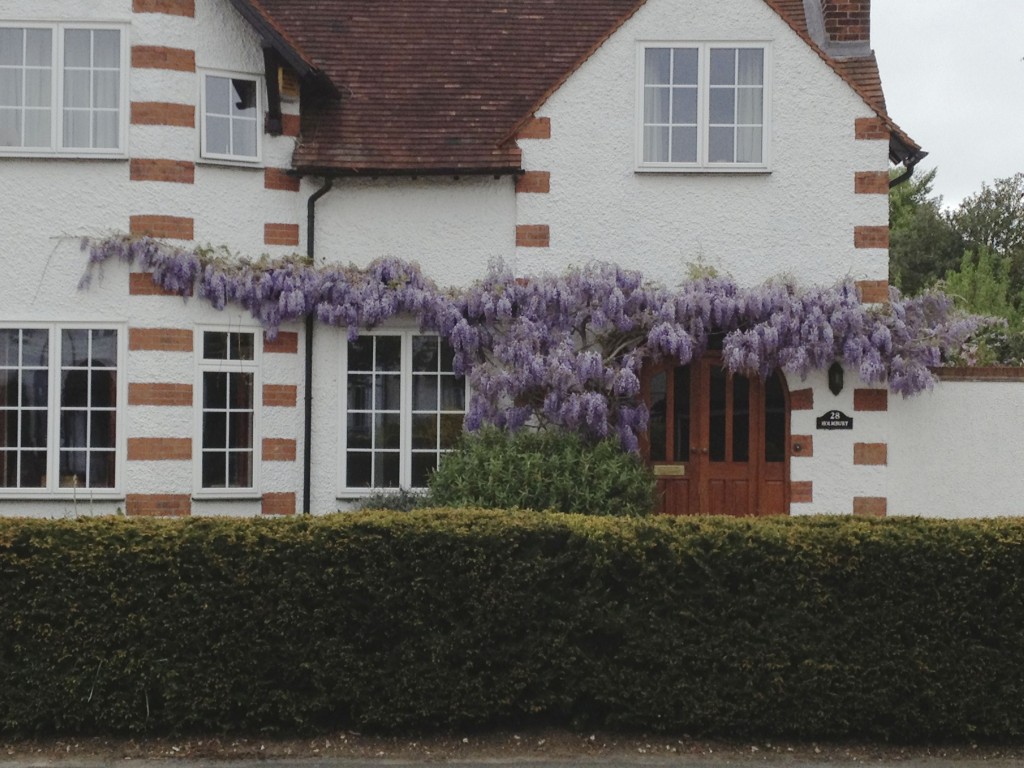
pixel 232 111
pixel 62 89
pixel 703 106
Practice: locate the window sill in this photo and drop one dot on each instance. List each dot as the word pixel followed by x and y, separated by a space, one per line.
pixel 752 170
pixel 9 155
pixel 83 495
pixel 216 162
pixel 245 495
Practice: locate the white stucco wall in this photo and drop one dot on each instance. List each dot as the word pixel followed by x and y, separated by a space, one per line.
pixel 798 219
pixel 958 451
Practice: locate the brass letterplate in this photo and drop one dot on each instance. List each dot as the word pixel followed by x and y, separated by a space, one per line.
pixel 669 470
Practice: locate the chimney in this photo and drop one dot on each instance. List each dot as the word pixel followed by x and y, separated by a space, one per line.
pixel 847 21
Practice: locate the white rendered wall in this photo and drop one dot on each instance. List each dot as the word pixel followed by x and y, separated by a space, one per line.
pixel 50 203
pixel 958 451
pixel 797 220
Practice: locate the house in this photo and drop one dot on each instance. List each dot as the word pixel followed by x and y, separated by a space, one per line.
pixel 746 136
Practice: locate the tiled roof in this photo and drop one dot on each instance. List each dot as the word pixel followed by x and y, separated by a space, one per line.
pixel 439 86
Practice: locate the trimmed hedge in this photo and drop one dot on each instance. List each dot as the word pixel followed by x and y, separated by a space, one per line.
pixel 835 627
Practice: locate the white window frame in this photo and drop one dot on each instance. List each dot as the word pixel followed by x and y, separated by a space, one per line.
pixel 405 450
pixel 57 147
pixel 231 159
pixel 212 365
pixel 53 488
pixel 703 165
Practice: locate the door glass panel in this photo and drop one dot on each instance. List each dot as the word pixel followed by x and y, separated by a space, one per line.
pixel 774 420
pixel 716 414
pixel 681 415
pixel 740 418
pixel 658 424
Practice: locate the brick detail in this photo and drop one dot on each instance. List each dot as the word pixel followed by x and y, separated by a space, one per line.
pixel 159 394
pixel 801 400
pixel 167 227
pixel 278 449
pixel 806 443
pixel 847 20
pixel 290 125
pixel 873 291
pixel 159 449
pixel 169 7
pixel 161 57
pixel 871 183
pixel 286 342
pixel 870 506
pixel 158 504
pixel 533 235
pixel 871 237
pixel 280 395
pixel 278 504
pixel 141 284
pixel 870 454
pixel 870 129
pixel 278 178
pixel 163 113
pixel 871 400
pixel 534 181
pixel 801 492
pixel 281 234
pixel 535 128
pixel 159 340
pixel 179 171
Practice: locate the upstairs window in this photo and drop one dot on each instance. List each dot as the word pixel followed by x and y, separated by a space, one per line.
pixel 232 111
pixel 703 106
pixel 62 89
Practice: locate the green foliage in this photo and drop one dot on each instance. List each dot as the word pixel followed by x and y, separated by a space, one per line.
pixel 398 500
pixel 983 284
pixel 923 244
pixel 543 470
pixel 903 629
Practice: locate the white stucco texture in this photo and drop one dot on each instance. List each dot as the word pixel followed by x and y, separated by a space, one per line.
pixel 958 451
pixel 798 219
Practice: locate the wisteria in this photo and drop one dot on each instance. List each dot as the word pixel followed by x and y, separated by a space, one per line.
pixel 568 349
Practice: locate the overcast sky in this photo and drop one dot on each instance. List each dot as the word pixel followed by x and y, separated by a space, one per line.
pixel 953 73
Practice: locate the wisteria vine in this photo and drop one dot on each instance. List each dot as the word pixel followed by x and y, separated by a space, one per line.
pixel 568 349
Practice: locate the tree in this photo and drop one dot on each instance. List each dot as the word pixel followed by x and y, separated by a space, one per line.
pixel 923 244
pixel 983 284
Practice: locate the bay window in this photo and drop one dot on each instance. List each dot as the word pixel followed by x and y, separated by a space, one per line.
pixel 62 89
pixel 403 409
pixel 703 106
pixel 60 397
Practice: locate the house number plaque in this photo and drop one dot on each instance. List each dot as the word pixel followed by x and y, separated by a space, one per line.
pixel 835 420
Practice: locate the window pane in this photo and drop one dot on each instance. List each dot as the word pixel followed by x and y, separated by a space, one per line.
pixel 716 414
pixel 424 353
pixel 424 430
pixel 77 89
pixel 240 429
pixel 723 105
pixel 243 98
pixel 35 347
pixel 243 138
pixel 684 145
pixel 656 65
pixel 359 430
pixel 748 106
pixel 36 388
pixel 240 469
pixel 104 429
pixel 218 95
pixel 107 48
pixel 10 128
pixel 8 468
pixel 10 88
pixel 33 469
pixel 74 346
pixel 12 51
pixel 105 130
pixel 447 357
pixel 37 87
pixel 38 48
pixel 215 389
pixel 656 144
pixel 684 106
pixel 357 469
pixel 214 470
pixel 77 48
pixel 103 389
pixel 681 415
pixel 388 395
pixel 748 145
pixel 360 354
pixel 774 420
pixel 74 427
pixel 720 145
pixel 243 346
pixel 451 430
pixel 389 353
pixel 241 390
pixel 10 421
pixel 218 135
pixel 387 430
pixel 723 66
pixel 33 429
pixel 74 389
pixel 359 390
pixel 73 469
pixel 215 430
pixel 740 418
pixel 684 66
pixel 37 128
pixel 76 128
pixel 215 345
pixel 751 66
pixel 101 469
pixel 423 465
pixel 424 393
pixel 385 470
pixel 657 424
pixel 656 101
pixel 453 393
pixel 105 89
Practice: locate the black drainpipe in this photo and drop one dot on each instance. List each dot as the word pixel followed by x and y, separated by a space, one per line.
pixel 307 458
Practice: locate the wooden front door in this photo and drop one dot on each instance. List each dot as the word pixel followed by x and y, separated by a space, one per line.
pixel 717 442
